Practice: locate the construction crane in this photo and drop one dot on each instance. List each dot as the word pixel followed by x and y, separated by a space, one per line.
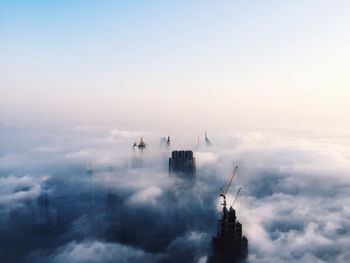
pixel 226 186
pixel 236 198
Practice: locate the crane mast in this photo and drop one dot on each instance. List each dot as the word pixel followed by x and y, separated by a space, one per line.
pixel 236 198
pixel 226 186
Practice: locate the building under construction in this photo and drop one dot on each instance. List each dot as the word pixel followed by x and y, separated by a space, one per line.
pixel 182 163
pixel 229 245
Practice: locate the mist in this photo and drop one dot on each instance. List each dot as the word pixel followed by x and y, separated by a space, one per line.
pixel 293 205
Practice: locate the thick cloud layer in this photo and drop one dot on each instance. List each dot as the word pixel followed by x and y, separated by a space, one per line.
pixel 81 194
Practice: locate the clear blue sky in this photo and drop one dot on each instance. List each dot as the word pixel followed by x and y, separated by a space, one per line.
pixel 205 63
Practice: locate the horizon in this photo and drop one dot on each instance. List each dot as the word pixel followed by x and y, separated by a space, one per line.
pixel 258 85
pixel 164 64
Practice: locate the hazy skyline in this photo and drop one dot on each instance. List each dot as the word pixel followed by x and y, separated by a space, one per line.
pixel 81 81
pixel 294 204
pixel 176 63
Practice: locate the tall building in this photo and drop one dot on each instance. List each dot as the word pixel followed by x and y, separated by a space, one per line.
pixel 168 142
pixel 182 163
pixel 142 144
pixel 229 245
pixel 207 141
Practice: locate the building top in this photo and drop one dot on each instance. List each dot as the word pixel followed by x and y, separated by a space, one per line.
pixel 207 141
pixel 142 144
pixel 182 163
pixel 182 154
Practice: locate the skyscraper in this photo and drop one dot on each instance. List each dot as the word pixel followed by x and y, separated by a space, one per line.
pixel 182 163
pixel 229 245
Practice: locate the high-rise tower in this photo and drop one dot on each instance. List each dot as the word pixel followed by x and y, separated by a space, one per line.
pixel 182 163
pixel 229 245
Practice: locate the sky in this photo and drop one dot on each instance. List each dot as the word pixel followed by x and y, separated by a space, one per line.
pixel 80 81
pixel 168 64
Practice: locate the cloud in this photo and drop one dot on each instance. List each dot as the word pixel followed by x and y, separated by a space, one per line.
pixel 94 251
pixel 190 247
pixel 47 149
pixel 15 190
pixel 205 158
pixel 247 137
pixel 294 204
pixel 147 196
pixel 128 134
pixel 78 155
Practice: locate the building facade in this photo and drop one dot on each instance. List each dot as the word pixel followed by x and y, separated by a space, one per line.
pixel 229 245
pixel 182 163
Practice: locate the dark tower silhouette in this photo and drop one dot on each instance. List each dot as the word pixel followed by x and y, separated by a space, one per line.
pixel 168 142
pixel 142 144
pixel 207 141
pixel 229 245
pixel 182 163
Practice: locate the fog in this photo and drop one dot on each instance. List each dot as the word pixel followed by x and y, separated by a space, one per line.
pixel 294 203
